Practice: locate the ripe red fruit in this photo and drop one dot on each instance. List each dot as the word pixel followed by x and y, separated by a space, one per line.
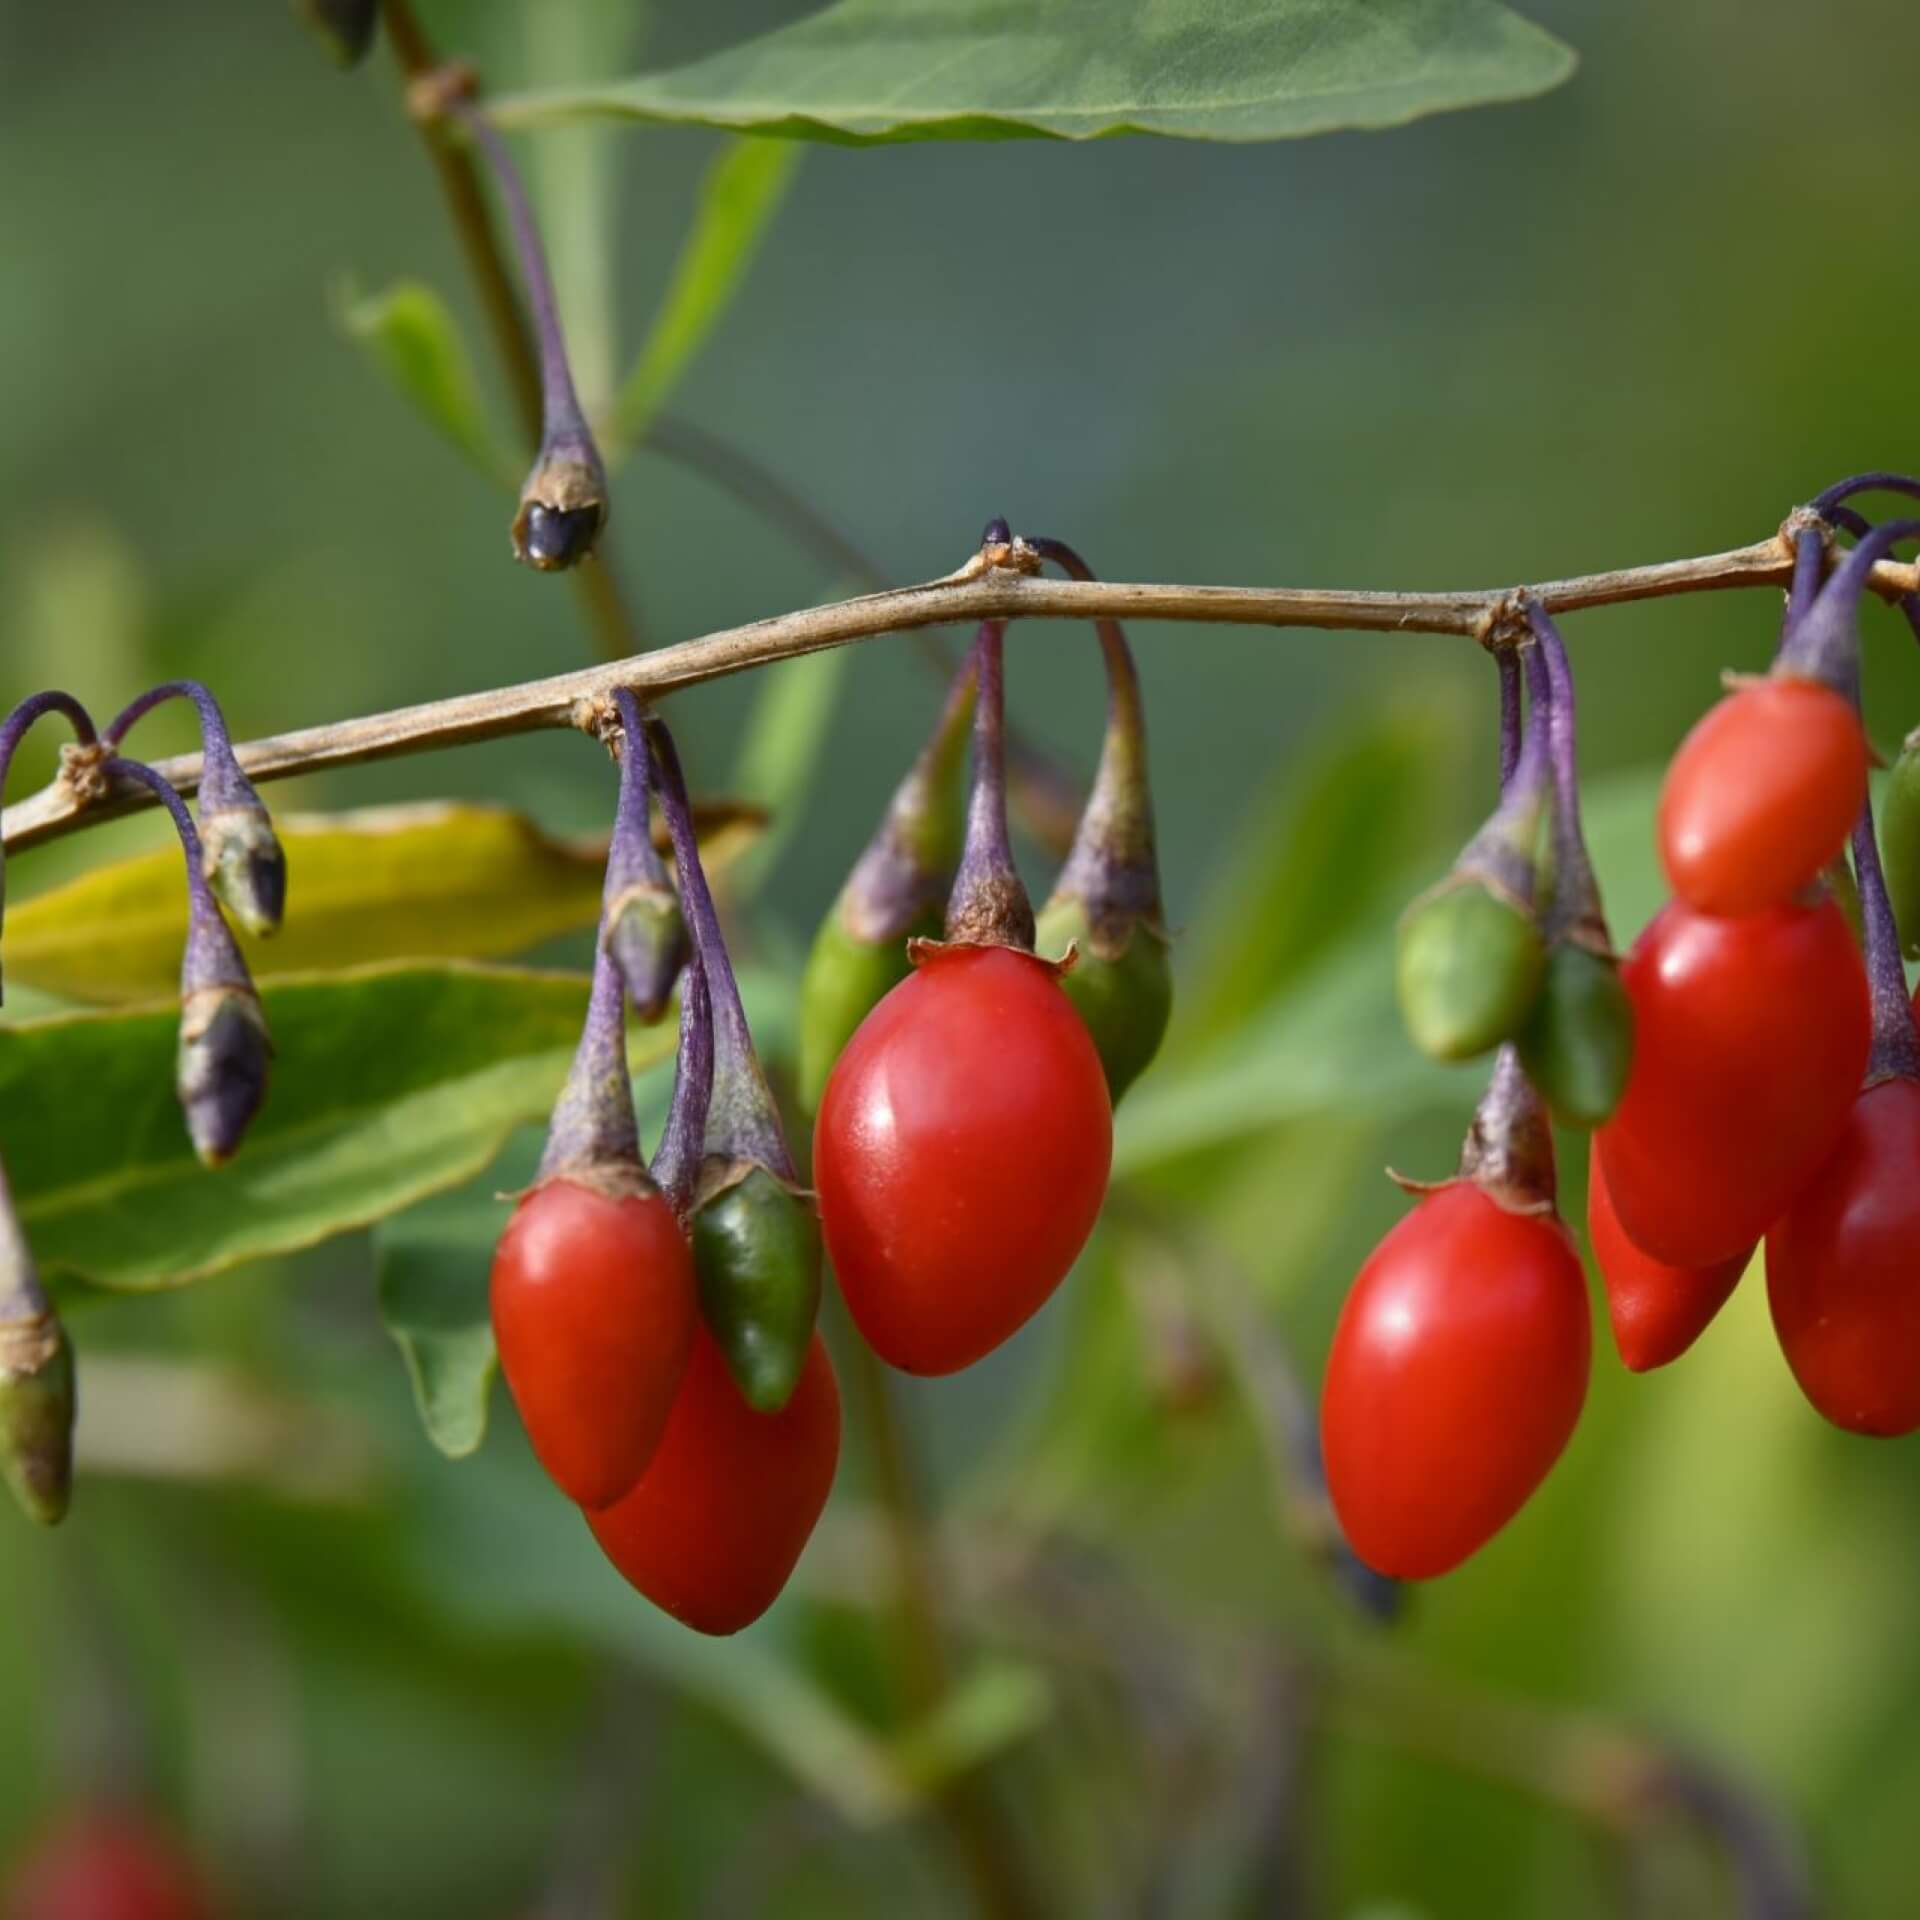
pixel 1657 1311
pixel 961 1155
pixel 1751 1036
pixel 716 1523
pixel 594 1309
pixel 106 1864
pixel 1457 1373
pixel 1762 795
pixel 1843 1265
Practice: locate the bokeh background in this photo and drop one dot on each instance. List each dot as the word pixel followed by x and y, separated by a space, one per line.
pixel 1638 318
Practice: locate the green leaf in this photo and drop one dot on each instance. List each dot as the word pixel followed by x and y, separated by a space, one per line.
pixel 438 881
pixel 863 71
pixel 389 1084
pixel 740 195
pixel 432 1264
pixel 413 339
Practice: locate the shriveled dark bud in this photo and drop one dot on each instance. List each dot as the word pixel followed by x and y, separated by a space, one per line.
pixel 756 1252
pixel 245 866
pixel 553 538
pixel 221 1070
pixel 345 27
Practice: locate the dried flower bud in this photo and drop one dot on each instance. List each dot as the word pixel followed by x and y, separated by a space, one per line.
pixel 245 866
pixel 221 1070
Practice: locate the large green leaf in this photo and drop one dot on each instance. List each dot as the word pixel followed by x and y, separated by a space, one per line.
pixel 862 71
pixel 742 192
pixel 389 1084
pixel 438 881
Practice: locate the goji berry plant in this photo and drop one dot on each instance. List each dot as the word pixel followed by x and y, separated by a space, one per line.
pixel 703 1197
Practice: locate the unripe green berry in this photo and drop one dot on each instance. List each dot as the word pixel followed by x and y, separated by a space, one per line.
pixel 756 1252
pixel 1125 999
pixel 1469 969
pixel 845 979
pixel 36 1416
pixel 1577 1046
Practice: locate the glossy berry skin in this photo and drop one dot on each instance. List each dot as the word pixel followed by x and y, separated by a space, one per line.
pixel 1762 795
pixel 1657 1311
pixel 594 1309
pixel 1457 1373
pixel 1843 1270
pixel 716 1523
pixel 106 1864
pixel 961 1155
pixel 1750 1039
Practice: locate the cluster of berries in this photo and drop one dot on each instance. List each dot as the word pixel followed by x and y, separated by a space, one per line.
pixel 1750 1074
pixel 656 1325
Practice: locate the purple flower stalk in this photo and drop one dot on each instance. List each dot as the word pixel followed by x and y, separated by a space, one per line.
pixel 641 922
pixel 242 858
pixel 593 1136
pixel 221 1073
pixel 563 505
pixel 1502 855
pixel 1575 912
pixel 14 729
pixel 988 906
pixel 742 1121
pixel 1896 1041
pixel 1824 645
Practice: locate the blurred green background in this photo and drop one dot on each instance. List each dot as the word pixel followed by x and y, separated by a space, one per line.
pixel 1638 318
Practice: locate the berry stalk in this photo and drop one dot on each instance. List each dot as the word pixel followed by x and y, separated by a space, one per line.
pixel 988 906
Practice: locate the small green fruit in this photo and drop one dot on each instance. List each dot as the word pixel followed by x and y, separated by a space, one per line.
pixel 756 1252
pixel 1577 1046
pixel 1470 967
pixel 846 978
pixel 1125 999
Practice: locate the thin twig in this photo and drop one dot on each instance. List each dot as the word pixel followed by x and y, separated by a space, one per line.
pixel 976 592
pixel 615 629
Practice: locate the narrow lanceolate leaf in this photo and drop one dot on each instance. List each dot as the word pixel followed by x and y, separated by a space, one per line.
pixel 742 192
pixel 862 71
pixel 412 337
pixel 385 883
pixel 389 1084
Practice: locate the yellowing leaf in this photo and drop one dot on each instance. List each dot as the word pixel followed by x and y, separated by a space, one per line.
pixel 440 881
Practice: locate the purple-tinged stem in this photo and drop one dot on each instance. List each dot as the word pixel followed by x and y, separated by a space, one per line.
pixel 1809 569
pixel 1508 661
pixel 640 919
pixel 683 1140
pixel 563 505
pixel 743 1123
pixel 222 1065
pixel 561 402
pixel 14 729
pixel 1576 893
pixel 1504 852
pixel 1896 1042
pixel 1113 866
pixel 1825 645
pixel 1824 503
pixel 222 784
pixel 593 1130
pixel 989 906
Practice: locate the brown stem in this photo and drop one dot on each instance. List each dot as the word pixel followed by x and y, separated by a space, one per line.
pixel 615 630
pixel 977 591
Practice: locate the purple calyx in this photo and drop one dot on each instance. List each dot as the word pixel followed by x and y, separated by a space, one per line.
pixel 989 906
